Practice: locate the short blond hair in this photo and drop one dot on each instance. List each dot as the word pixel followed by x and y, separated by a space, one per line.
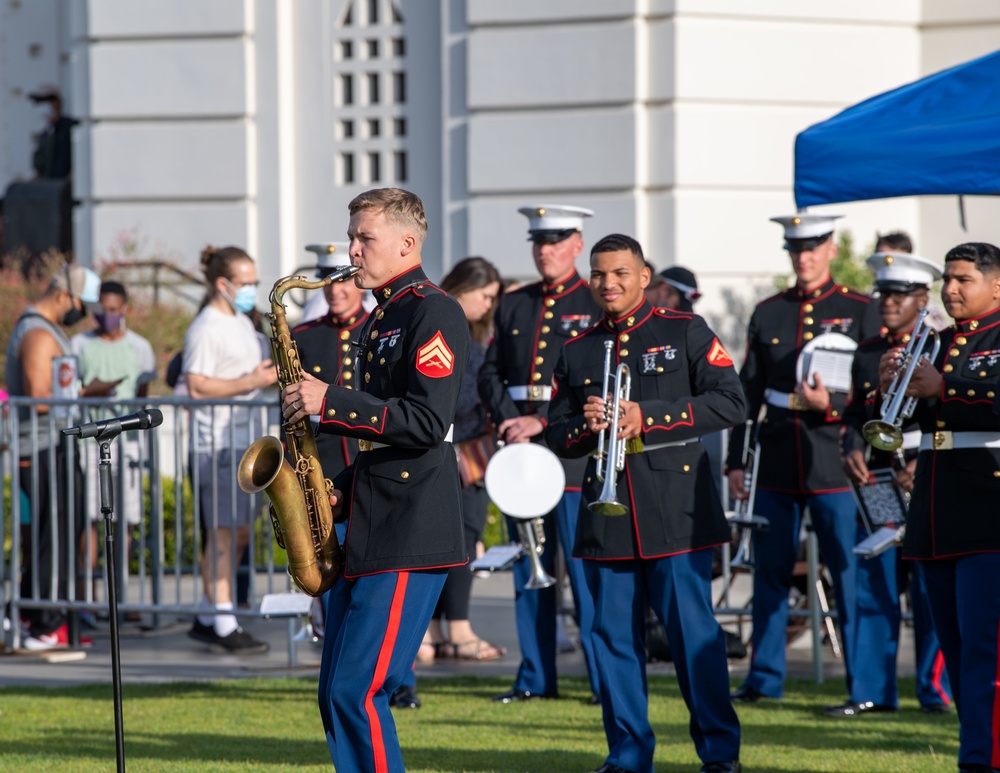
pixel 400 207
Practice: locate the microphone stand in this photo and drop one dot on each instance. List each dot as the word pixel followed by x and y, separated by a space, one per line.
pixel 104 432
pixel 107 509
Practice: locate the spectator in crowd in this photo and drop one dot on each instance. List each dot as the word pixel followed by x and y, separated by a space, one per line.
pixel 673 288
pixel 222 361
pixel 53 156
pixel 113 353
pixel 37 339
pixel 475 284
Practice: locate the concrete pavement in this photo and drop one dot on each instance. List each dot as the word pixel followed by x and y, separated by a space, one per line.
pixel 167 654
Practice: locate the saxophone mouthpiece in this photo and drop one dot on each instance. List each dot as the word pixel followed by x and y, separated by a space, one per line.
pixel 342 273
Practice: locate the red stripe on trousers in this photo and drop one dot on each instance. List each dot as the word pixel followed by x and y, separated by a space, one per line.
pixel 381 667
pixel 936 671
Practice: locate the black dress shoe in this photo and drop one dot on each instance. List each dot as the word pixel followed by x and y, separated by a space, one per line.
pixel 936 708
pixel 404 698
pixel 746 694
pixel 856 708
pixel 722 767
pixel 607 767
pixel 516 696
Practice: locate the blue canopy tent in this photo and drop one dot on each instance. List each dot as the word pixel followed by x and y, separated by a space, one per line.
pixel 937 135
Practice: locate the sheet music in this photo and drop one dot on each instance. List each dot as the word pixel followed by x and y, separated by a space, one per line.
pixel 880 501
pixel 833 366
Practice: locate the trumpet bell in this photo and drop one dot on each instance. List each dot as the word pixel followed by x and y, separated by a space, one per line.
pixel 882 435
pixel 607 507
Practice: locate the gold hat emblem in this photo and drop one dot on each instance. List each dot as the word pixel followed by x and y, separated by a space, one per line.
pixel 888 260
pixel 796 220
pixel 330 249
pixel 540 211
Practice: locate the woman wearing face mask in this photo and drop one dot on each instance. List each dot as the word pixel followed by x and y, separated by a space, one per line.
pixel 223 361
pixel 113 354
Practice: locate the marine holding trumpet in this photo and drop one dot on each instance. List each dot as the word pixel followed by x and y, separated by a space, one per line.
pixel 400 497
pixel 798 444
pixel 951 528
pixel 658 551
pixel 902 285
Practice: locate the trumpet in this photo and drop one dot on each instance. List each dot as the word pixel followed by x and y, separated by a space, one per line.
pixel 611 449
pixel 886 434
pixel 742 518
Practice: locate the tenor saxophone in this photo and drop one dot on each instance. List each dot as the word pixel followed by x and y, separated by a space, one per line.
pixel 299 492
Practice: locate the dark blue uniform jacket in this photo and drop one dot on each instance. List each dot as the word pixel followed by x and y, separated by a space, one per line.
pixel 686 386
pixel 402 499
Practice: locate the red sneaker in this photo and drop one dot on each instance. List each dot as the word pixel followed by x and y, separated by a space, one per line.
pixel 62 637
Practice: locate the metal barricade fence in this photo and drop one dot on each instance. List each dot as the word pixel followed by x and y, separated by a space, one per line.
pixel 157 475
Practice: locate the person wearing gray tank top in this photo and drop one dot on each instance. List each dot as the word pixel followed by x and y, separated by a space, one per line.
pixel 44 477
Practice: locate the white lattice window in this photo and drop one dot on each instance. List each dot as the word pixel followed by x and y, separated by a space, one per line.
pixel 369 93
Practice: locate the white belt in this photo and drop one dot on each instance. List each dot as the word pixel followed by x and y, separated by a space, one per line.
pixel 530 393
pixel 787 400
pixel 636 446
pixel 371 445
pixel 946 441
pixel 911 440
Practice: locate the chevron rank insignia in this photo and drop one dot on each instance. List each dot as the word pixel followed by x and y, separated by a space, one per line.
pixel 434 358
pixel 718 355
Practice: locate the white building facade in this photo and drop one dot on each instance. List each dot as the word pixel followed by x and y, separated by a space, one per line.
pixel 254 122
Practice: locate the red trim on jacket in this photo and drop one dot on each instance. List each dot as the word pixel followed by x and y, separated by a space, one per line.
pixel 689 422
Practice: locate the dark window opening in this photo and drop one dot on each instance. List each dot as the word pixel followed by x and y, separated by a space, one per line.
pixel 399 87
pixel 346 89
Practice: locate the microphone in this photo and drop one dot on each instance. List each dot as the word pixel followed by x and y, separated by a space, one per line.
pixel 143 419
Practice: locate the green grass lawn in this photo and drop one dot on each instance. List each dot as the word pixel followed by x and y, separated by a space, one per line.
pixel 273 725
